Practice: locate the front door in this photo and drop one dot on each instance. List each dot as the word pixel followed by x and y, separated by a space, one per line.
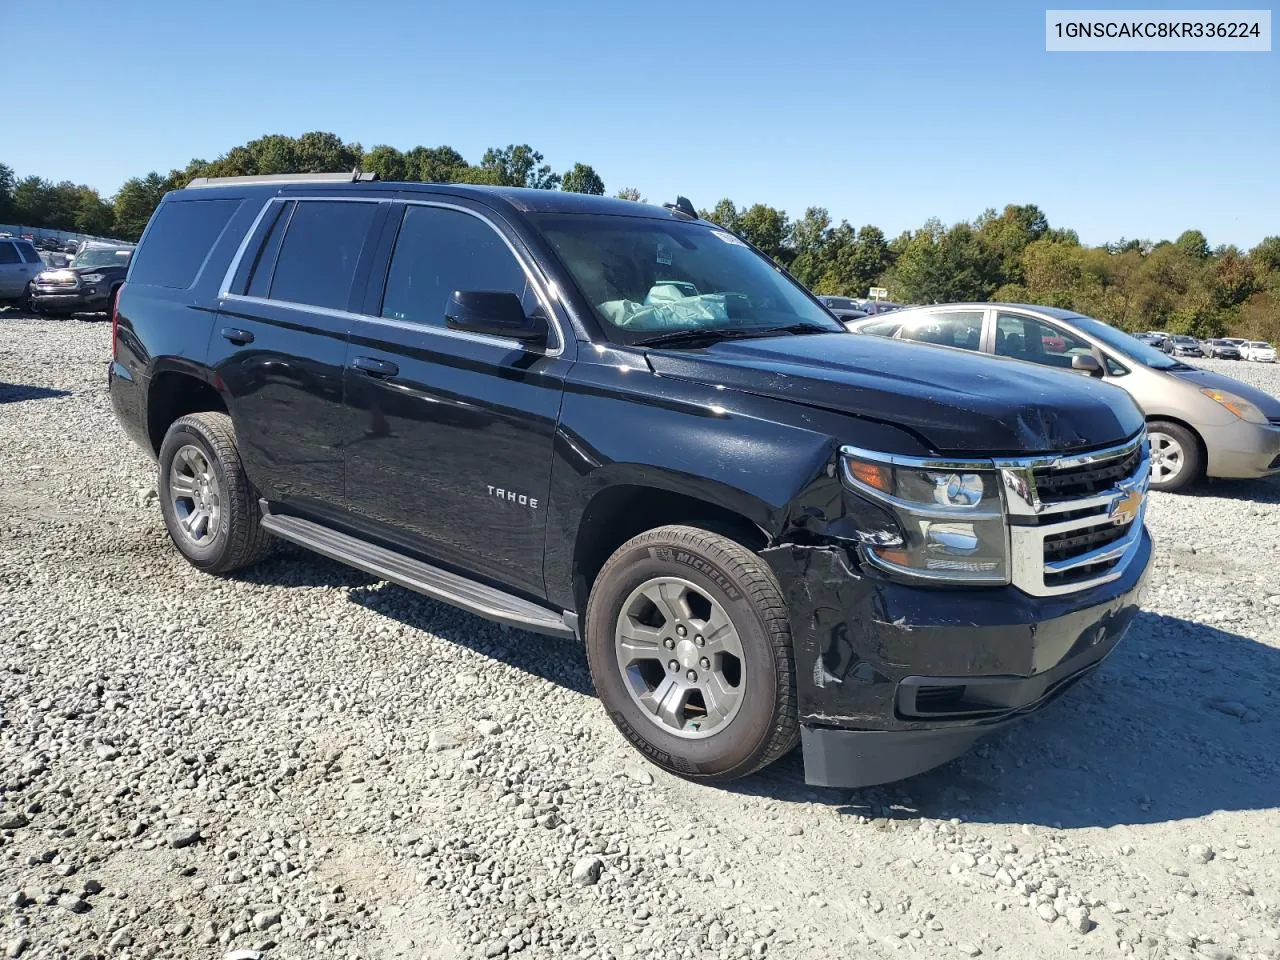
pixel 279 344
pixel 452 436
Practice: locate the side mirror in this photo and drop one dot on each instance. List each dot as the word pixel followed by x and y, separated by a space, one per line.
pixel 1085 363
pixel 496 314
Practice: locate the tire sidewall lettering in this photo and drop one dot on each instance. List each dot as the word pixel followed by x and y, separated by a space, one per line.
pixel 704 567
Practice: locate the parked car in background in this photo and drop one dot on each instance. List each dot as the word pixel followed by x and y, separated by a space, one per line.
pixel 844 308
pixel 1199 423
pixel 86 285
pixel 1153 338
pixel 1260 351
pixel 1180 345
pixel 875 307
pixel 1220 349
pixel 55 259
pixel 19 265
pixel 1239 342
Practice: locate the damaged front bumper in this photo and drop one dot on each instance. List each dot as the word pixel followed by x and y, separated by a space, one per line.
pixel 893 679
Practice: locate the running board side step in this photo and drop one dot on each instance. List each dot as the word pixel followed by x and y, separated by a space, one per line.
pixel 451 588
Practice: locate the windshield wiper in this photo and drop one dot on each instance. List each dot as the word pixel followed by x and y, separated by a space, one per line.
pixel 709 335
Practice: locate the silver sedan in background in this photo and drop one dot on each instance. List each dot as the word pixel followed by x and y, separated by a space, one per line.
pixel 1200 423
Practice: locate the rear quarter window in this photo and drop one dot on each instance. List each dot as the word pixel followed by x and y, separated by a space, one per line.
pixel 178 241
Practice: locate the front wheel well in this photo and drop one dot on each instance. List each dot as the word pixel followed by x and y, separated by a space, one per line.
pixel 1183 424
pixel 619 513
pixel 173 395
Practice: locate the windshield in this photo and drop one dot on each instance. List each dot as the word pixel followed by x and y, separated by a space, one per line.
pixel 102 257
pixel 1130 346
pixel 646 277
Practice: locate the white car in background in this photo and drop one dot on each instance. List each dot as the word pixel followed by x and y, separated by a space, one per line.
pixel 1258 350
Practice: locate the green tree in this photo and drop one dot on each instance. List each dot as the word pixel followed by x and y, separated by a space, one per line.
pixel 33 202
pixel 1265 257
pixel 938 265
pixel 519 165
pixel 387 162
pixel 135 203
pixel 582 179
pixel 630 193
pixel 723 213
pixel 1193 244
pixel 810 244
pixel 767 228
pixel 7 178
pixel 434 164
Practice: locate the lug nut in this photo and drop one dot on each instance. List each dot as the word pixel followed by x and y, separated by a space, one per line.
pixel 706 664
pixel 698 640
pixel 668 643
pixel 681 631
pixel 674 665
pixel 692 676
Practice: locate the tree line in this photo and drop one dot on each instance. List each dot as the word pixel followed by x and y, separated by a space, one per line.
pixel 1182 286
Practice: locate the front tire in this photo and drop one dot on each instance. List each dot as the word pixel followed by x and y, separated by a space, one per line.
pixel 1177 460
pixel 209 506
pixel 689 648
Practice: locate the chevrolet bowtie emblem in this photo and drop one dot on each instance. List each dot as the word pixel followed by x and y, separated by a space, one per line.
pixel 1124 509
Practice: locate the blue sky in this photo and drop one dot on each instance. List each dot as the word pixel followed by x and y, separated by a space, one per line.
pixel 884 113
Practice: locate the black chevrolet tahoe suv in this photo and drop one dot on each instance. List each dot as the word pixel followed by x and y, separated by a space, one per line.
pixel 599 419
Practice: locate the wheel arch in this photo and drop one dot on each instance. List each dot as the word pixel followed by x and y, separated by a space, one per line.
pixel 622 510
pixel 174 392
pixel 1196 435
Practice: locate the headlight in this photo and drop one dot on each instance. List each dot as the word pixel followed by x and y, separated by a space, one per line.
pixel 1241 407
pixel 91 277
pixel 951 517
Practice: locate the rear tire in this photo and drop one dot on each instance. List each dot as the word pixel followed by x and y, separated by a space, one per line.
pixel 210 508
pixel 1177 459
pixel 715 710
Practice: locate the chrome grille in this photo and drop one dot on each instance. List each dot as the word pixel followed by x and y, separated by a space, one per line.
pixel 1075 521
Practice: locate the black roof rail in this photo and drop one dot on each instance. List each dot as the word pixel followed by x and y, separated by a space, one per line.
pixel 355 176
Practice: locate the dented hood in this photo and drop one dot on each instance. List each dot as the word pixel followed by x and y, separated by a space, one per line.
pixel 957 402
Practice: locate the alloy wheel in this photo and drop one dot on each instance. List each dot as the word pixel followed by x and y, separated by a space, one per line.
pixel 195 494
pixel 681 657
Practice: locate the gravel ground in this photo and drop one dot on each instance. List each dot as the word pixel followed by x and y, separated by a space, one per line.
pixel 305 762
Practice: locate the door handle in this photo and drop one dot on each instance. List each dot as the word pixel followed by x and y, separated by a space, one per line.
pixel 236 335
pixel 375 368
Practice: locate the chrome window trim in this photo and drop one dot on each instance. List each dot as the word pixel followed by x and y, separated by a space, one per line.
pixel 536 281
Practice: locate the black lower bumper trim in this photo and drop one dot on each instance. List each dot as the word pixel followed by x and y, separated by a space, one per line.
pixel 864 758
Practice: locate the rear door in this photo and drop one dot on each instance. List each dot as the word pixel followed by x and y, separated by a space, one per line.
pixel 280 343
pixel 453 434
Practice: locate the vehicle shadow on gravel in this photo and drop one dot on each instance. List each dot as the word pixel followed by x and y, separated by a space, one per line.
pixel 17 392
pixel 557 661
pixel 1266 490
pixel 1179 722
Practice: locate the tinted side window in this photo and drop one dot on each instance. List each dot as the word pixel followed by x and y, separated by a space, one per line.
pixel 1026 338
pixel 8 254
pixel 439 251
pixel 881 328
pixel 28 253
pixel 957 328
pixel 321 248
pixel 178 240
pixel 263 264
